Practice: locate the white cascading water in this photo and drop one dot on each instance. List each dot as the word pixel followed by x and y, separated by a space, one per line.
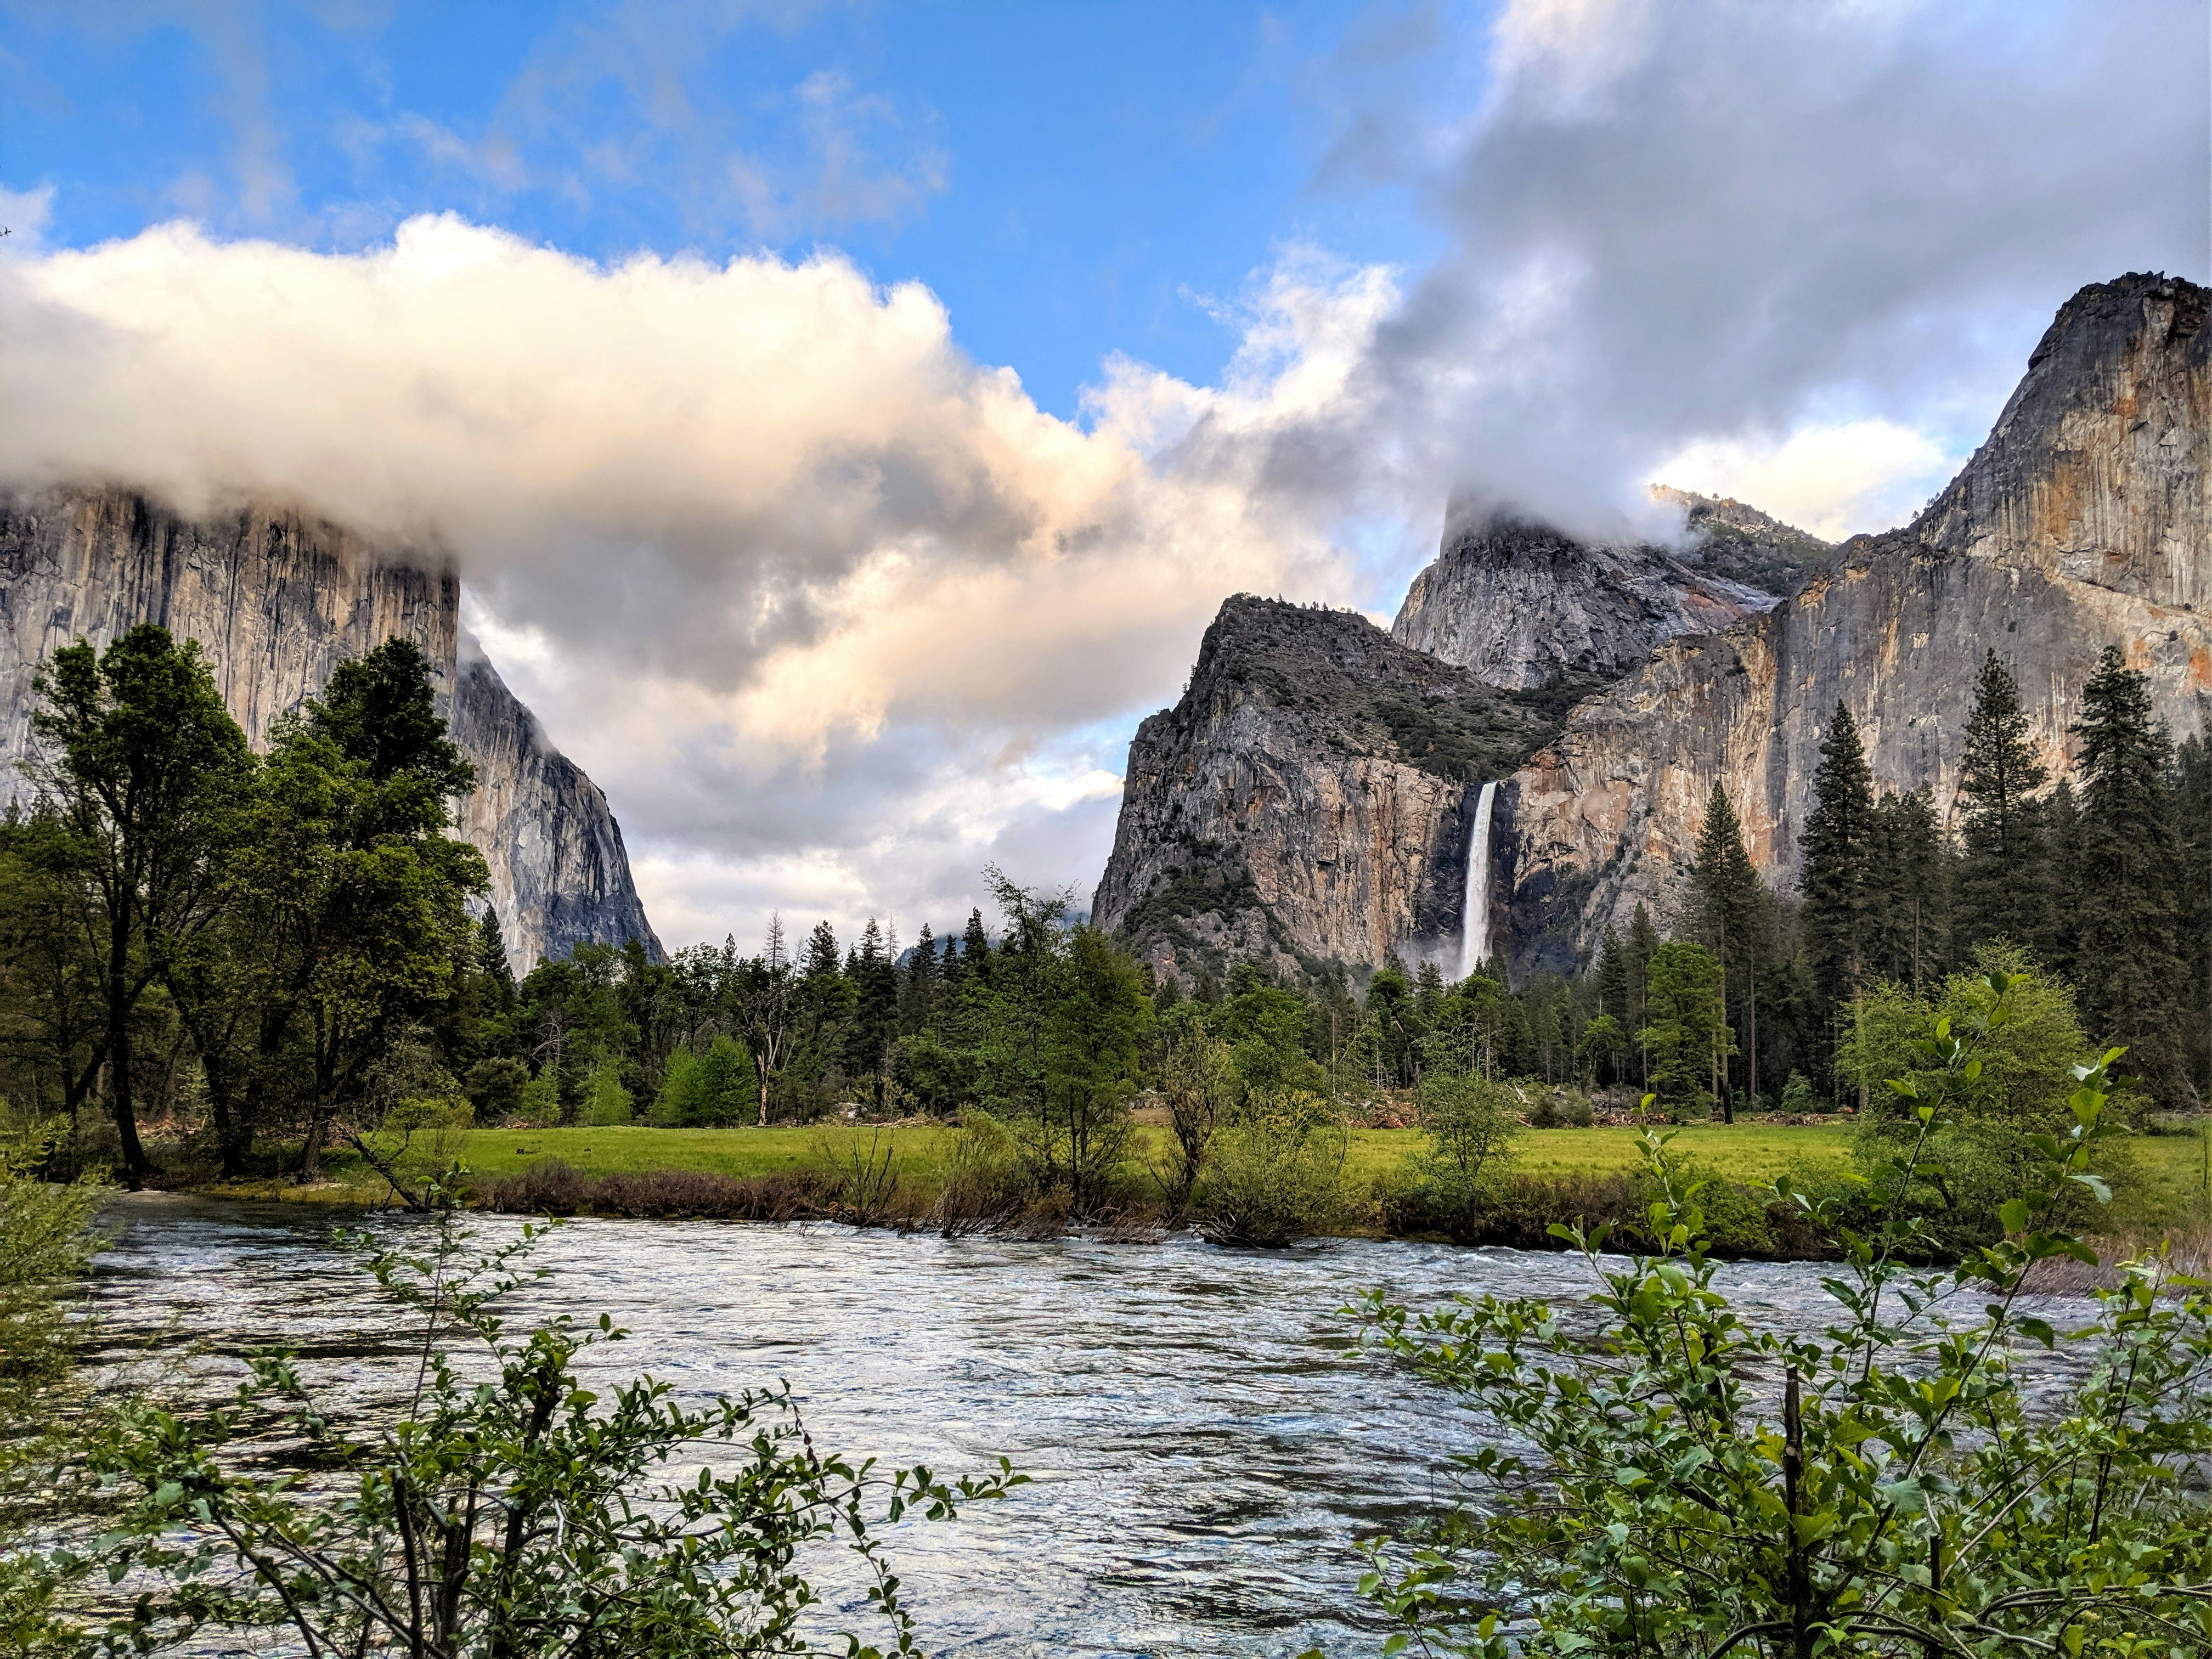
pixel 1475 924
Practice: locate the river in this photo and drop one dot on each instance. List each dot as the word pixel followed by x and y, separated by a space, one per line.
pixel 1205 1435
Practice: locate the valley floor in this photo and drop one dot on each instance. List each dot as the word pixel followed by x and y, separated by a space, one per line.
pixel 2168 1188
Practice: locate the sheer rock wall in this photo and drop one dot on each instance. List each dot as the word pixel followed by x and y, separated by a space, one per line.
pixel 2080 523
pixel 277 597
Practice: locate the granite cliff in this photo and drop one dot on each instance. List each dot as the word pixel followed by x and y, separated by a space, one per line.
pixel 2079 524
pixel 277 597
pixel 1309 796
pixel 1276 811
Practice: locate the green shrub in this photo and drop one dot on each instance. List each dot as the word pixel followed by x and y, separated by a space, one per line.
pixel 1558 1108
pixel 505 1508
pixel 1275 1171
pixel 1470 1125
pixel 605 1101
pixel 1664 1478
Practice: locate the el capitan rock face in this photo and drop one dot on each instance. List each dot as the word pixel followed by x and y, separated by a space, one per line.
pixel 2081 523
pixel 1267 816
pixel 1308 798
pixel 277 597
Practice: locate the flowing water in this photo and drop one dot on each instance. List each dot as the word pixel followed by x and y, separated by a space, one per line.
pixel 1205 1437
pixel 1474 922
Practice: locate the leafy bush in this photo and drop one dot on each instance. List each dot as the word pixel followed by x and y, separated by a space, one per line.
pixel 1201 1082
pixel 45 1244
pixel 1275 1172
pixel 504 1508
pixel 1799 1098
pixel 1671 1483
pixel 983 1182
pixel 1550 1107
pixel 1470 1125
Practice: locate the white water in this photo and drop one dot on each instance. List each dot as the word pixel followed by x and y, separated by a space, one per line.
pixel 1475 923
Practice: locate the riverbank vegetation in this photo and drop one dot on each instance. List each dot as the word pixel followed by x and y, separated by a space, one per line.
pixel 1679 1482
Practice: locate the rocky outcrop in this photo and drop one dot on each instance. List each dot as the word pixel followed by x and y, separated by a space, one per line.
pixel 1309 798
pixel 1520 604
pixel 562 863
pixel 1739 541
pixel 2080 523
pixel 277 597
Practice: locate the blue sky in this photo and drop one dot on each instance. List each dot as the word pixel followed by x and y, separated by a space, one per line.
pixel 691 331
pixel 1073 179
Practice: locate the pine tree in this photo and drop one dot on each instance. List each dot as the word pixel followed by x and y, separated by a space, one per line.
pixel 1731 915
pixel 920 993
pixel 975 947
pixel 2192 815
pixel 2003 871
pixel 1837 850
pixel 2131 873
pixel 1643 945
pixel 821 952
pixel 1613 980
pixel 1909 921
pixel 2059 940
pixel 491 958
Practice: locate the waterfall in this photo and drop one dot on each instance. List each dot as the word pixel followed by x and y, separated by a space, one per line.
pixel 1475 923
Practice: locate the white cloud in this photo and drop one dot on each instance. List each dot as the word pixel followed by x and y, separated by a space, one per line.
pixel 793 577
pixel 1836 479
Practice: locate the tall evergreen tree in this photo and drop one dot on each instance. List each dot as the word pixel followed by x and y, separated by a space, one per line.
pixel 821 960
pixel 1731 919
pixel 1910 894
pixel 491 958
pixel 1643 945
pixel 975 947
pixel 2059 940
pixel 1838 851
pixel 2192 813
pixel 2131 874
pixel 1612 979
pixel 2003 872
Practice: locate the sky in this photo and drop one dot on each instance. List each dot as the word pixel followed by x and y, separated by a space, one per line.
pixel 846 417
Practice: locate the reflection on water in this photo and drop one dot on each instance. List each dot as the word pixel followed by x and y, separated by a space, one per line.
pixel 1204 1436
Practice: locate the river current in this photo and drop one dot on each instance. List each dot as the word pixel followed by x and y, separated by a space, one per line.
pixel 1204 1436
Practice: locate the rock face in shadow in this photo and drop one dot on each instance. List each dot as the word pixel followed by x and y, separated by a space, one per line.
pixel 564 866
pixel 2081 523
pixel 1308 798
pixel 1520 604
pixel 277 597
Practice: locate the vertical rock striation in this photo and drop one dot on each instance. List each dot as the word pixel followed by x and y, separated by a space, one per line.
pixel 562 864
pixel 277 597
pixel 2081 523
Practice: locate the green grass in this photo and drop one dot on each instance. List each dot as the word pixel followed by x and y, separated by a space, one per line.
pixel 2167 1189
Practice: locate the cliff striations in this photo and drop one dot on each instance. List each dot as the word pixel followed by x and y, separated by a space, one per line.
pixel 564 866
pixel 1309 796
pixel 277 597
pixel 2080 523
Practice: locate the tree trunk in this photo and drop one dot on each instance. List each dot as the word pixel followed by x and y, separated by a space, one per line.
pixel 135 1164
